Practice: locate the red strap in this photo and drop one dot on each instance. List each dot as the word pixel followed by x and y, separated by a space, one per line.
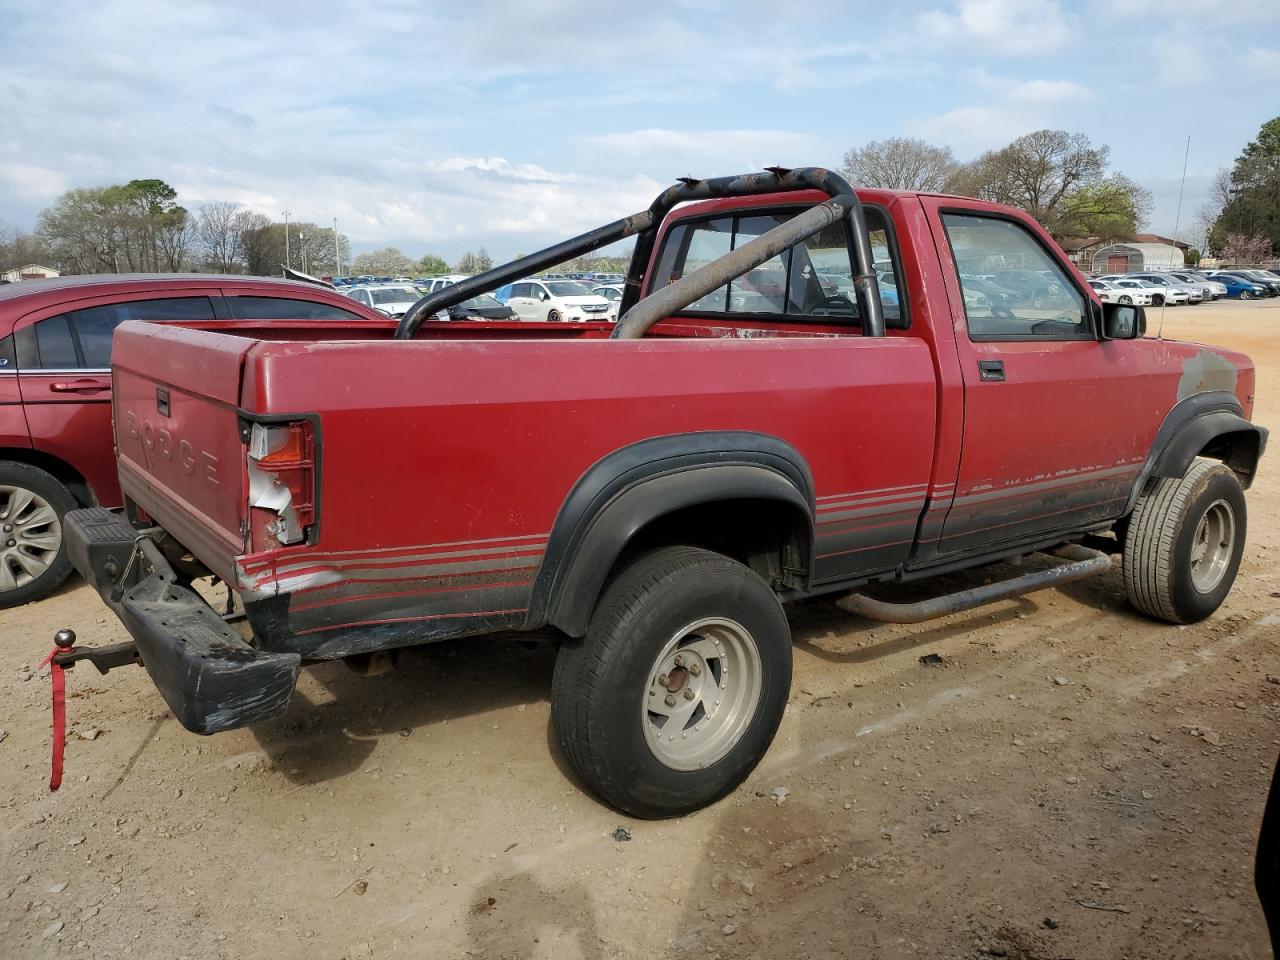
pixel 58 681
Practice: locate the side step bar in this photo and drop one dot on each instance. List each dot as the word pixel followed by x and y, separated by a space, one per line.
pixel 1084 562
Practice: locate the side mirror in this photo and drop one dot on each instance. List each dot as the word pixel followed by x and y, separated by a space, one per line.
pixel 544 295
pixel 1121 321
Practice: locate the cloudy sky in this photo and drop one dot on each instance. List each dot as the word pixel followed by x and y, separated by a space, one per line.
pixel 442 126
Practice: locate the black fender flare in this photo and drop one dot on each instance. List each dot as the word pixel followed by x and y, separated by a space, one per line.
pixel 637 484
pixel 1193 424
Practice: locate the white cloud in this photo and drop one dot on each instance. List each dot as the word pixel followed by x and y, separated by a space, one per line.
pixel 977 128
pixel 1011 27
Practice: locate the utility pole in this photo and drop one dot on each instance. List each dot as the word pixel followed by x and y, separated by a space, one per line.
pixel 302 245
pixel 287 261
pixel 337 250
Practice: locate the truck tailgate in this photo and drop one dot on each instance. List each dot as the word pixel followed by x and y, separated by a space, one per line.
pixel 179 449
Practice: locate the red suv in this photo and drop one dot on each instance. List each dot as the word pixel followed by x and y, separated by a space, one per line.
pixel 55 393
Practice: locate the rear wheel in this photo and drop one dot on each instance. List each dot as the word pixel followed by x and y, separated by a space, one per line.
pixel 33 555
pixel 677 689
pixel 1157 300
pixel 1126 299
pixel 1183 544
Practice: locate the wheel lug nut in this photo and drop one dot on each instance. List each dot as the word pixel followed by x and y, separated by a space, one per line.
pixel 679 660
pixel 694 669
pixel 671 700
pixel 663 680
pixel 688 693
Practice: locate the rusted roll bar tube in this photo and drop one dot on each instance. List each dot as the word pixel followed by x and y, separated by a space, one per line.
pixel 644 226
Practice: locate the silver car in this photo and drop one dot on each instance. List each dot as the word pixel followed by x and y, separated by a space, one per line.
pixel 1194 291
pixel 1213 290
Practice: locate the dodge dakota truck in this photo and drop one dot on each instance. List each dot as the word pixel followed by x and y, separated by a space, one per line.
pixel 805 393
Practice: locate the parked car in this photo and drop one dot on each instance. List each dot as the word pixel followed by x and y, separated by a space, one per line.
pixel 1212 289
pixel 1194 291
pixel 1270 286
pixel 56 394
pixel 555 300
pixel 1110 291
pixel 653 502
pixel 1240 288
pixel 480 307
pixel 1160 293
pixel 448 280
pixel 391 299
pixel 611 292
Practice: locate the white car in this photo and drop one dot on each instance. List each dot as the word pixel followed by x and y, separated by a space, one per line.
pixel 1110 291
pixel 555 300
pixel 610 291
pixel 393 299
pixel 1159 293
pixel 439 283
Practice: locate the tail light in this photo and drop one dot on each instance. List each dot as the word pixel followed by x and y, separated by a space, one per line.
pixel 282 482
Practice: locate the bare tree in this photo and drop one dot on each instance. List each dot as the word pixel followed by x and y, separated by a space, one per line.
pixel 218 236
pixel 900 163
pixel 1060 179
pixel 261 243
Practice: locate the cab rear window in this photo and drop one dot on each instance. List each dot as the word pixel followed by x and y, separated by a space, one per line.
pixel 811 281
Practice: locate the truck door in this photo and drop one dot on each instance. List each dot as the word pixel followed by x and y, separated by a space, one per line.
pixel 1054 429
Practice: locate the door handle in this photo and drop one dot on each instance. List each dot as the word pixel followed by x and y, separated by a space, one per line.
pixel 84 384
pixel 991 370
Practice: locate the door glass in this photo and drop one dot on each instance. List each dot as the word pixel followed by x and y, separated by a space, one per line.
pixel 55 350
pixel 283 308
pixel 761 289
pixel 1013 289
pixel 95 325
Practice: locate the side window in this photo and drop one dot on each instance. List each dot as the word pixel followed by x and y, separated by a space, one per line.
pixel 283 308
pixel 94 326
pixel 46 345
pixel 811 280
pixel 520 290
pixel 1013 289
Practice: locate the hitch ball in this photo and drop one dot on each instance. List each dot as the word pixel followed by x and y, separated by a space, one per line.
pixel 64 639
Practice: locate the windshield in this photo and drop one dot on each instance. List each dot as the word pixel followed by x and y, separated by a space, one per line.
pixel 567 288
pixel 395 294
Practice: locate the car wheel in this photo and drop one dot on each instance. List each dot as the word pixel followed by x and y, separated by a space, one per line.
pixel 1246 295
pixel 1184 541
pixel 1126 299
pixel 1157 300
pixel 554 316
pixel 676 691
pixel 33 555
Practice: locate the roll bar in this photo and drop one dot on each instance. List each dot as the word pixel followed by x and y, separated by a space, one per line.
pixel 636 316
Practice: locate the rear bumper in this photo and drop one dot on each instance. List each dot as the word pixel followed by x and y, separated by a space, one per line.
pixel 209 676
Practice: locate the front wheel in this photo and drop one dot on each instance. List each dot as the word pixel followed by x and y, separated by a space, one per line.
pixel 33 555
pixel 1246 295
pixel 677 690
pixel 1183 545
pixel 554 316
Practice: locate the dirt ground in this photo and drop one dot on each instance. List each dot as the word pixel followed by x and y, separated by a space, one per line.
pixel 1074 782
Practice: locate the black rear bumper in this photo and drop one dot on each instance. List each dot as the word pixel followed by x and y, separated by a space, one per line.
pixel 210 677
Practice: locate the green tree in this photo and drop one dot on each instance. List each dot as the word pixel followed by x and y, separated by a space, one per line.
pixel 1253 208
pixel 429 265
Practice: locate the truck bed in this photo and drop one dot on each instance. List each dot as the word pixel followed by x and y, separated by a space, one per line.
pixel 458 450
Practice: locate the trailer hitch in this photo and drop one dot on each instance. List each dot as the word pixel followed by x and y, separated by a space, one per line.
pixel 64 656
pixel 104 658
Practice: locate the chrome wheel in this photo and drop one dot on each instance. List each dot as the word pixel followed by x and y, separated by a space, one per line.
pixel 30 535
pixel 1212 546
pixel 702 693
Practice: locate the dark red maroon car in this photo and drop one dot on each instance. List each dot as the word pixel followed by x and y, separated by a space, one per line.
pixel 55 393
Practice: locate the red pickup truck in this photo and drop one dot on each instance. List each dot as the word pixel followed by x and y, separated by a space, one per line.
pixel 653 490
